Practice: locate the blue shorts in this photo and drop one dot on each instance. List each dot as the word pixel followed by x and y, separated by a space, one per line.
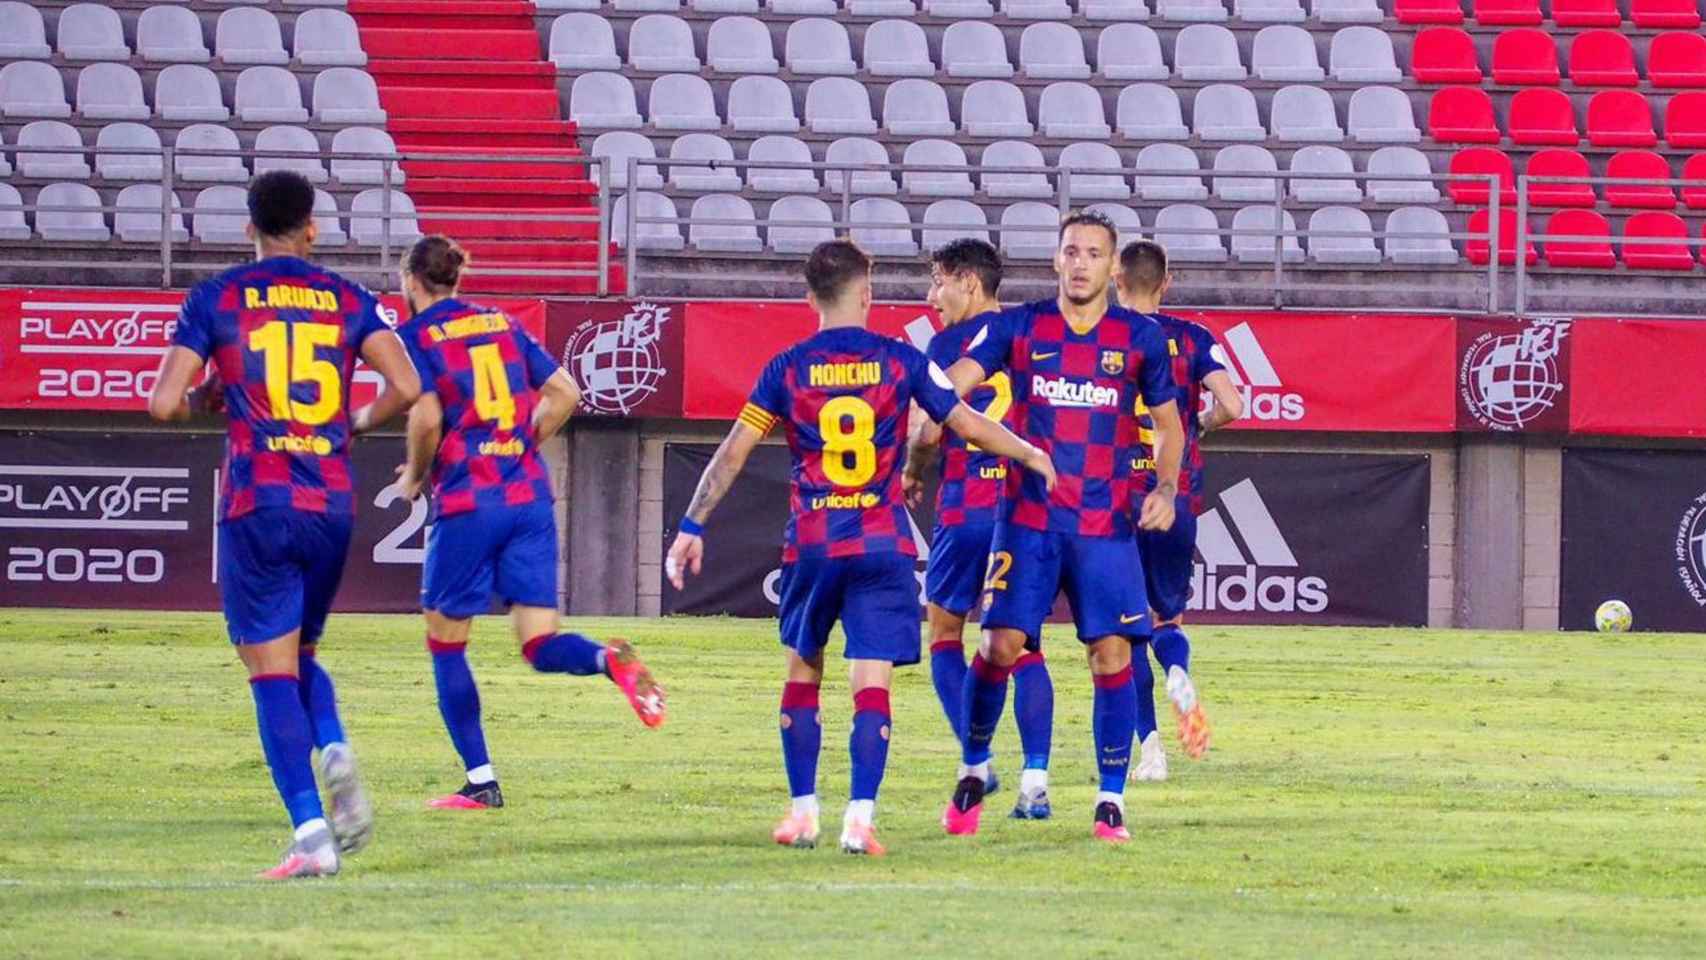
pixel 1167 559
pixel 1102 577
pixel 279 570
pixel 471 556
pixel 875 596
pixel 959 556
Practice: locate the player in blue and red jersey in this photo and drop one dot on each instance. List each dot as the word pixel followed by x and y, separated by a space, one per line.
pixel 843 396
pixel 964 278
pixel 1079 366
pixel 283 336
pixel 489 396
pixel 1168 554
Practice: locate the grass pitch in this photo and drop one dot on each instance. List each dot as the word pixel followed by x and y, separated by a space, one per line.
pixel 1370 793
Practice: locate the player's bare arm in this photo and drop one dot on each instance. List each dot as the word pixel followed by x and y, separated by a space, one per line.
pixel 171 397
pixel 965 375
pixel 384 353
pixel 999 440
pixel 923 443
pixel 1228 402
pixel 1157 511
pixel 426 429
pixel 557 401
pixel 688 550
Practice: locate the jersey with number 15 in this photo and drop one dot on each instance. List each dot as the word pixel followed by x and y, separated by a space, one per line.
pixel 284 336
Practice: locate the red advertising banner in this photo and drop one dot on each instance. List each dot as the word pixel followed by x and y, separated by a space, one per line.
pixel 1639 377
pixel 626 356
pixel 75 349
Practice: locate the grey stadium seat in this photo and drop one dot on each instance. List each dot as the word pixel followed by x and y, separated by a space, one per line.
pixel 91 31
pixel 882 8
pixel 724 237
pixel 994 108
pixel 648 6
pixel 137 219
pixel 169 34
pixel 1305 114
pixel 5 167
pixel 897 48
pixel 797 177
pixel 293 140
pixel 959 9
pixel 110 91
pixel 136 166
pixel 1164 186
pixel 584 41
pixel 207 136
pixel 647 236
pixel 29 88
pixel 1245 158
pixel 839 105
pixel 186 91
pixel 882 226
pixel 1323 160
pixel 249 35
pixel 220 214
pixel 858 150
pixel 346 95
pixel 949 220
pixel 1285 53
pixel 269 95
pixel 1259 248
pixel 916 108
pixel 1348 11
pixel 817 46
pixel 803 8
pixel 568 4
pixel 1097 171
pixel 1029 230
pixel 367 217
pixel 1226 112
pixel 80 220
pixel 1199 11
pixel 740 45
pixel 1150 111
pixel 1357 249
pixel 1036 9
pixel 1074 111
pixel 682 101
pixel 972 48
pixel 368 140
pixel 1206 51
pixel 1269 11
pixel 1400 161
pixel 1052 51
pixel 661 43
pixel 603 101
pixel 1114 10
pixel 619 145
pixel 329 220
pixel 12 224
pixel 328 38
pixel 704 177
pixel 1125 220
pixel 1364 55
pixel 1015 153
pixel 1382 115
pixel 23 36
pixel 1432 247
pixel 939 153
pixel 761 105
pixel 1197 246
pixel 71 165
pixel 1130 51
pixel 799 239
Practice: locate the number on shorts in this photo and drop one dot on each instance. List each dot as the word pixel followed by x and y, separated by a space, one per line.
pixel 1002 402
pixel 849 456
pixel 492 398
pixel 287 350
pixel 1000 564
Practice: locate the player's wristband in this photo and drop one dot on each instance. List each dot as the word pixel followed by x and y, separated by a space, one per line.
pixel 691 527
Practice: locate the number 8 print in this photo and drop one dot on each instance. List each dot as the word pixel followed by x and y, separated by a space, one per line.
pixel 839 442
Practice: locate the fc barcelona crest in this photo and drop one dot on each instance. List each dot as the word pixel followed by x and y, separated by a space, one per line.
pixel 1113 362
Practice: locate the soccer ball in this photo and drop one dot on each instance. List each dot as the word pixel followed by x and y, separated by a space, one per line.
pixel 1613 616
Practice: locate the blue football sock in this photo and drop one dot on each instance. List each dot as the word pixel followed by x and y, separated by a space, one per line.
pixel 984 698
pixel 802 737
pixel 1112 718
pixel 459 702
pixel 1033 708
pixel 320 700
pixel 1143 686
pixel 1172 649
pixel 868 744
pixel 287 743
pixel 948 674
pixel 564 653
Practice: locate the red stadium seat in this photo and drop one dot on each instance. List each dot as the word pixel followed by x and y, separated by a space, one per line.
pixel 1586 13
pixel 1694 195
pixel 1620 118
pixel 1685 121
pixel 1677 60
pixel 1603 58
pixel 1444 55
pixel 1542 116
pixel 1428 11
pixel 1462 115
pixel 1592 253
pixel 1665 14
pixel 1525 58
pixel 1559 162
pixel 1507 13
pixel 1482 161
pixel 1476 250
pixel 1664 256
pixel 1639 165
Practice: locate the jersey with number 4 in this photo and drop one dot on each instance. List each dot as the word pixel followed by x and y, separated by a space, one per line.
pixel 487 372
pixel 284 336
pixel 843 397
pixel 972 478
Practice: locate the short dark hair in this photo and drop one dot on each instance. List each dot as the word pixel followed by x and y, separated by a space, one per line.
pixel 280 202
pixel 437 260
pixel 1143 265
pixel 970 255
pixel 1092 218
pixel 834 264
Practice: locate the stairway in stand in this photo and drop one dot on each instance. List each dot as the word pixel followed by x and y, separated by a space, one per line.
pixel 468 77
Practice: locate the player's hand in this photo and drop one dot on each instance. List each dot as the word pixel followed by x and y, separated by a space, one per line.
pixel 408 484
pixel 685 555
pixel 913 488
pixel 208 396
pixel 1039 463
pixel 1157 512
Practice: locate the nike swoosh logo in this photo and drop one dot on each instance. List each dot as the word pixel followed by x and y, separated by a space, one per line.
pixel 1125 619
pixel 1043 356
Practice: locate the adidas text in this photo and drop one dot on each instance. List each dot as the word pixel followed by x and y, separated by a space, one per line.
pixel 1246 590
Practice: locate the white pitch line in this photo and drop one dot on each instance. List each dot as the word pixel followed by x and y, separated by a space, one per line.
pixel 447 886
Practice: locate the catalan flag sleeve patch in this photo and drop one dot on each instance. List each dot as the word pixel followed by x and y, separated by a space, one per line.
pixel 757 418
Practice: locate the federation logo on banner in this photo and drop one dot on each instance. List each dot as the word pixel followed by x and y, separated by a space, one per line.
pixel 1512 379
pixel 621 363
pixel 1265 396
pixel 1262 573
pixel 1691 550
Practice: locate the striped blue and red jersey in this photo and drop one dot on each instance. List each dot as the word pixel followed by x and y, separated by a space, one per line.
pixel 1075 396
pixel 487 372
pixel 284 336
pixel 843 397
pixel 972 478
pixel 1192 351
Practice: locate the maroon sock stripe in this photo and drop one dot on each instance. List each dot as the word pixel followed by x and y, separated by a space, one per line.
pixel 798 696
pixel 435 645
pixel 530 649
pixel 257 678
pixel 1113 681
pixel 942 646
pixel 989 672
pixel 1029 658
pixel 871 698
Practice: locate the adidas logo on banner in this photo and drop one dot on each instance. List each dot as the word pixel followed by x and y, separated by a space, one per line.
pixel 1253 374
pixel 1245 587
